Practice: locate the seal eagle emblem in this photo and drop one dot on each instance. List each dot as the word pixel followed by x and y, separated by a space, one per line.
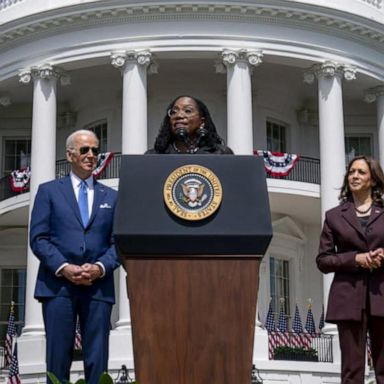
pixel 192 192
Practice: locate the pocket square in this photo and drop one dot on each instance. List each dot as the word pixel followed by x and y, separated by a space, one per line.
pixel 105 205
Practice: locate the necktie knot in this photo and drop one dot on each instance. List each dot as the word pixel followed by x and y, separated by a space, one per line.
pixel 83 202
pixel 84 186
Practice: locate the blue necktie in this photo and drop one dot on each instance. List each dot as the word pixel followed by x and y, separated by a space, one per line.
pixel 83 203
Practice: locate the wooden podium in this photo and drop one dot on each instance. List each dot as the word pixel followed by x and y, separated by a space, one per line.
pixel 192 286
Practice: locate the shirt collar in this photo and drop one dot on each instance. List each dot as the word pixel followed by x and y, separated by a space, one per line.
pixel 76 181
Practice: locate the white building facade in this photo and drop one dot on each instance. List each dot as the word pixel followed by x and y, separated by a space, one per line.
pixel 303 77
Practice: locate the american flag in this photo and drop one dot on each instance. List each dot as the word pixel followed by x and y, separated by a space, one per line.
pixel 297 328
pixel 309 327
pixel 299 338
pixel 310 322
pixel 77 345
pixel 10 335
pixel 282 327
pixel 270 326
pixel 13 374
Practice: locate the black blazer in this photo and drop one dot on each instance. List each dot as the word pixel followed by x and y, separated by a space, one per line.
pixel 352 287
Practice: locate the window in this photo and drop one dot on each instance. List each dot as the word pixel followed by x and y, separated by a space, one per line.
pixel 100 129
pixel 12 288
pixel 279 284
pixel 356 146
pixel 276 137
pixel 17 154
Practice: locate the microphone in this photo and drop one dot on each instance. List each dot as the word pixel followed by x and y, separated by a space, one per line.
pixel 182 134
pixel 202 135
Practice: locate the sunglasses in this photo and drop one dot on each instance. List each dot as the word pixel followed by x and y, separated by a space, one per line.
pixel 85 150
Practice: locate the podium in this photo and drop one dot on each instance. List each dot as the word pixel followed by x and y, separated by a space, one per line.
pixel 192 284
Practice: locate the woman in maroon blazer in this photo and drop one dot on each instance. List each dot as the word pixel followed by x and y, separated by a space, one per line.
pixel 351 246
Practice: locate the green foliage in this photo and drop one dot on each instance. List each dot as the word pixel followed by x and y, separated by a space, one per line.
pixel 295 353
pixel 105 378
pixel 53 378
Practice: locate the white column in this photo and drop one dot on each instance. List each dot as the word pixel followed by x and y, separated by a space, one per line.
pixel 31 347
pixel 239 98
pixel 134 120
pixel 238 65
pixel 134 134
pixel 134 141
pixel 377 94
pixel 332 147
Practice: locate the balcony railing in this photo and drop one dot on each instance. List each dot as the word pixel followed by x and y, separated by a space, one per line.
pixel 306 170
pixel 316 348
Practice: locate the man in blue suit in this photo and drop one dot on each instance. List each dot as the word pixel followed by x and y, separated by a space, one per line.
pixel 71 234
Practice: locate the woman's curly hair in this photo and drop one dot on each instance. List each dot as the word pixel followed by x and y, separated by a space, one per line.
pixel 165 138
pixel 376 175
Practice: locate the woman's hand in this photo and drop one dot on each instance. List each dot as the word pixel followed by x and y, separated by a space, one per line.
pixel 377 257
pixel 370 260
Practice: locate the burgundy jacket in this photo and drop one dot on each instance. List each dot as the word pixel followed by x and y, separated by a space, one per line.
pixel 352 287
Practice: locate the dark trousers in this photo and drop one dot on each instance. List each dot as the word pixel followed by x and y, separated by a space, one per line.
pixel 353 341
pixel 60 314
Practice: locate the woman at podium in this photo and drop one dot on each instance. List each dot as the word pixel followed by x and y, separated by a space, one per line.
pixel 188 128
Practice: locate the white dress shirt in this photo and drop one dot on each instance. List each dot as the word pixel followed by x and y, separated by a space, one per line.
pixel 76 182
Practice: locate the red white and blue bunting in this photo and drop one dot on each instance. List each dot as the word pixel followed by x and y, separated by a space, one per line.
pixel 277 163
pixel 102 162
pixel 20 179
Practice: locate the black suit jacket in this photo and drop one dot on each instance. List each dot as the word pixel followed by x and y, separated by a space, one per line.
pixel 352 287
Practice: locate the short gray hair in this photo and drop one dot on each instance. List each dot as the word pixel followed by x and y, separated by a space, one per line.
pixel 71 138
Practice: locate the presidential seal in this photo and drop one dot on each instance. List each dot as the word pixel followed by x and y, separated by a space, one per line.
pixel 192 192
